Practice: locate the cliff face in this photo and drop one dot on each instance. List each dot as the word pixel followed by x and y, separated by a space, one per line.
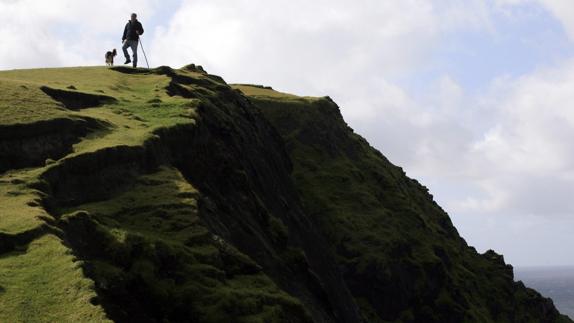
pixel 171 196
pixel 399 253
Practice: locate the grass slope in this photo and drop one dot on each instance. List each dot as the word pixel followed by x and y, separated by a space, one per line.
pixel 44 283
pixel 35 289
pixel 155 245
pixel 136 250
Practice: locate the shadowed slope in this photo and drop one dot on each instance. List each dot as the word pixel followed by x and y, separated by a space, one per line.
pixel 77 100
pixel 402 258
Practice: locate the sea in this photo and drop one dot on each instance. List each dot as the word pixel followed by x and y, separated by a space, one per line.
pixel 554 282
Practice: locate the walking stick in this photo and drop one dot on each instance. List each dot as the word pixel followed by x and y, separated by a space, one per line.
pixel 143 51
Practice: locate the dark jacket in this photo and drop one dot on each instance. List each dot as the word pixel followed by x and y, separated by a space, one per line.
pixel 130 32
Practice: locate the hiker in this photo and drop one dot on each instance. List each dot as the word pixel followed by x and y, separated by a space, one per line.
pixel 131 38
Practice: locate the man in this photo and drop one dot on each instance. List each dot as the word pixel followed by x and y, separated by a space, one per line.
pixel 131 38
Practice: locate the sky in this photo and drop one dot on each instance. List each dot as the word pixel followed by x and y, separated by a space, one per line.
pixel 473 98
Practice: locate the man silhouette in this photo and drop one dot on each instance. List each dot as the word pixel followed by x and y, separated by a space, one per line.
pixel 131 38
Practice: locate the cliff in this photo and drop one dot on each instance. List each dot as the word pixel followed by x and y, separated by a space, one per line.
pixel 165 195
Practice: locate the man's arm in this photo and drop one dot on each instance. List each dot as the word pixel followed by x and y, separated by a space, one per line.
pixel 125 33
pixel 141 30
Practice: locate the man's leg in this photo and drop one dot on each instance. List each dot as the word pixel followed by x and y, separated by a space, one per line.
pixel 134 46
pixel 126 54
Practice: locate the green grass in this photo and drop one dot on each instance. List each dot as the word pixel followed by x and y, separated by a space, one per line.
pixel 44 284
pixel 257 91
pixel 20 208
pixel 161 205
pixel 158 216
pixel 145 242
pixel 95 80
pixel 130 122
pixel 41 283
pixel 143 105
pixel 21 102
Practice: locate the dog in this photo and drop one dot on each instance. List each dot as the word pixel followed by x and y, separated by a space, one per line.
pixel 110 57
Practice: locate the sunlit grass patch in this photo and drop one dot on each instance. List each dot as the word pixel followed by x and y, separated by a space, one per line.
pixel 44 284
pixel 20 208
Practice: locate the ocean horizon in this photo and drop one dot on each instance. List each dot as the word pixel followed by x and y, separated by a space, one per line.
pixel 556 283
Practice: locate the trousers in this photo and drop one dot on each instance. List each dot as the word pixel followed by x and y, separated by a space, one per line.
pixel 133 44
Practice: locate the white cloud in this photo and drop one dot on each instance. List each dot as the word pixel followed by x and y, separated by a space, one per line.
pixel 62 32
pixel 339 43
pixel 564 11
pixel 527 154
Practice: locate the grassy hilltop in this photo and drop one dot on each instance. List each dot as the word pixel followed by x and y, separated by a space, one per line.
pixel 165 195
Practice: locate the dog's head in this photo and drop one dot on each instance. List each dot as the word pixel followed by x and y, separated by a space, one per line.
pixel 114 52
